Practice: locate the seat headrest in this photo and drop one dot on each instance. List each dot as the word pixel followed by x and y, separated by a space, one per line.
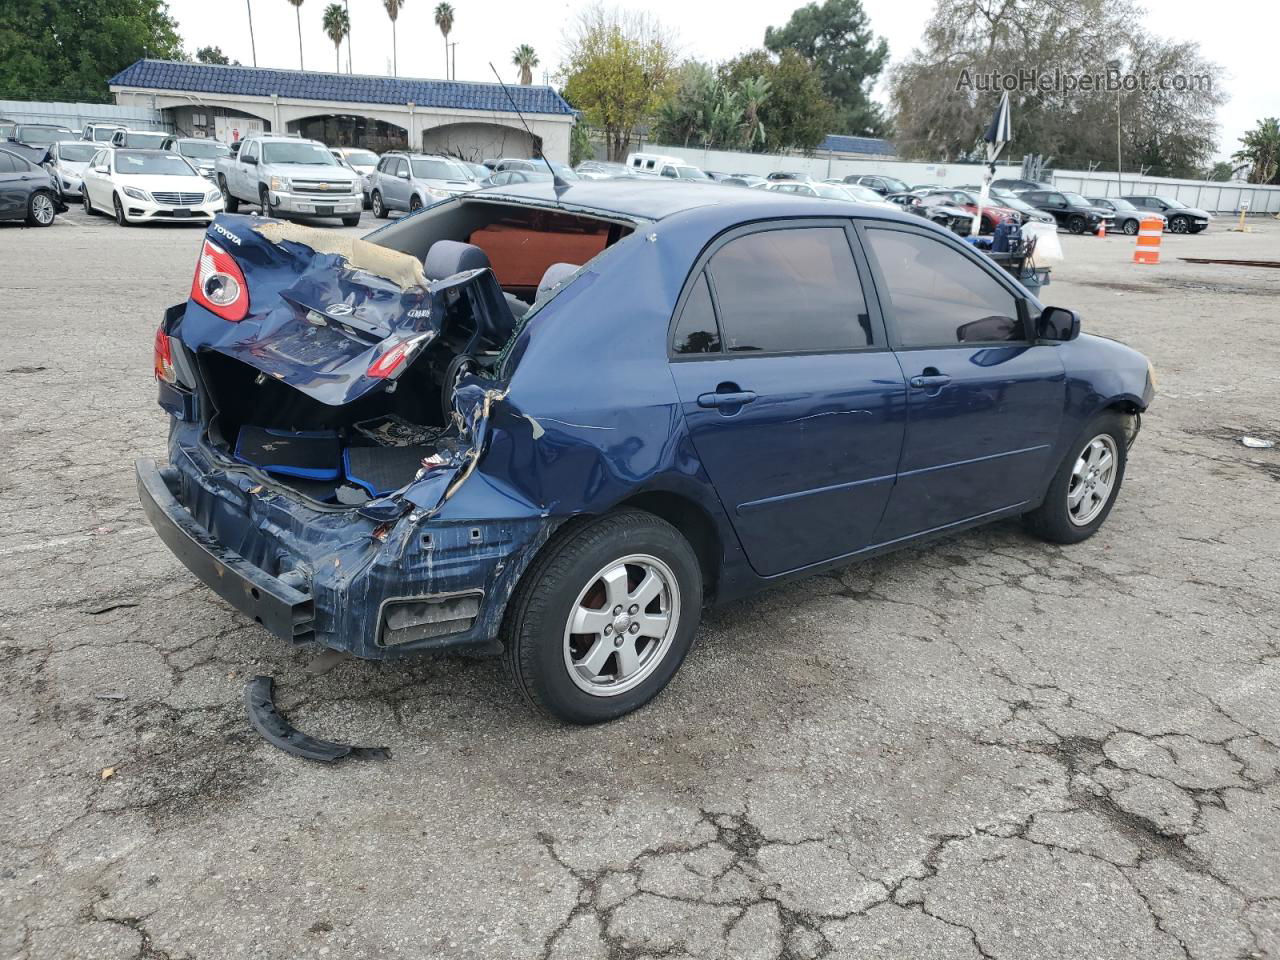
pixel 447 257
pixel 555 275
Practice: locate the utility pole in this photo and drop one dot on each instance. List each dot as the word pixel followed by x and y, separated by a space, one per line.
pixel 252 46
pixel 453 52
pixel 1114 65
pixel 347 3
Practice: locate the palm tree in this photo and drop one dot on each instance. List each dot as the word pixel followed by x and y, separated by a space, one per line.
pixel 393 11
pixel 444 20
pixel 297 11
pixel 336 25
pixel 753 91
pixel 526 60
pixel 1261 148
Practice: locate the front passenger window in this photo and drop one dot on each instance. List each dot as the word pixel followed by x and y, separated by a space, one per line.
pixel 938 297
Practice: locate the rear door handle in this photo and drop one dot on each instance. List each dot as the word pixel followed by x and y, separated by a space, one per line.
pixel 734 399
pixel 930 381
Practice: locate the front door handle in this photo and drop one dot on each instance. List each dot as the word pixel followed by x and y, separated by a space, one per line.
pixel 930 381
pixel 734 398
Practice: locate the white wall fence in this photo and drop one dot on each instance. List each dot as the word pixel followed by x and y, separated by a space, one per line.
pixel 1215 197
pixel 75 115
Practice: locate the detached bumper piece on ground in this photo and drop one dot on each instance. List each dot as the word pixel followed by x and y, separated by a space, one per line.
pixel 279 732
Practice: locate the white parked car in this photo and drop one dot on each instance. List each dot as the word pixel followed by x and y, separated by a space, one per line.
pixel 68 160
pixel 830 191
pixel 141 186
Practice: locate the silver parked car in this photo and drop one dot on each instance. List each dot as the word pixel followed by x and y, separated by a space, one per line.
pixel 362 161
pixel 201 152
pixel 407 181
pixel 67 162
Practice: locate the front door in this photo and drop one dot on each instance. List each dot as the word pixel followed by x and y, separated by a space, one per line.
pixel 794 404
pixel 984 402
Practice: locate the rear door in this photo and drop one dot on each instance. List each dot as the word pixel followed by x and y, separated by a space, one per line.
pixel 13 189
pixel 984 402
pixel 794 403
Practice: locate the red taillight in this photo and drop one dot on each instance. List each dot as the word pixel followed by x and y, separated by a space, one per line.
pixel 391 362
pixel 163 359
pixel 219 285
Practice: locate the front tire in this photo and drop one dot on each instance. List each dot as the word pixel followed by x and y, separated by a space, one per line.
pixel 121 219
pixel 1076 224
pixel 1179 225
pixel 1131 228
pixel 379 210
pixel 1084 489
pixel 40 209
pixel 603 619
pixel 351 221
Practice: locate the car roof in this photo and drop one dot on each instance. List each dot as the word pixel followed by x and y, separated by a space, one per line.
pixel 656 199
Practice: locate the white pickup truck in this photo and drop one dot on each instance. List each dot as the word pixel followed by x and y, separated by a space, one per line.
pixel 287 176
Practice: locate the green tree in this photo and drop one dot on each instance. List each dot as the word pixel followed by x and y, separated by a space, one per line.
pixel 837 37
pixel 618 67
pixel 214 55
pixel 526 59
pixel 796 115
pixel 443 17
pixel 1219 172
pixel 69 49
pixel 336 25
pixel 297 13
pixel 393 8
pixel 1261 149
pixel 580 144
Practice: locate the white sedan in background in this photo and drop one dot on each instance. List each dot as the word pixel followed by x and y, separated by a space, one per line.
pixel 142 186
pixel 830 191
pixel 67 162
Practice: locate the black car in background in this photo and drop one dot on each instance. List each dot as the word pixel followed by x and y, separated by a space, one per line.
pixel 880 184
pixel 1127 217
pixel 1070 210
pixel 1182 219
pixel 41 134
pixel 26 191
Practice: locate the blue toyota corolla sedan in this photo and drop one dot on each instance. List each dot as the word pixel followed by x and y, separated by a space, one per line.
pixel 554 422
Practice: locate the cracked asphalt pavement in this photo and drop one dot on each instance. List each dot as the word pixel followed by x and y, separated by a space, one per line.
pixel 987 747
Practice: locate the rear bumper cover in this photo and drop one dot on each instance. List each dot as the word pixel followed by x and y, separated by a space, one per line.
pixel 286 612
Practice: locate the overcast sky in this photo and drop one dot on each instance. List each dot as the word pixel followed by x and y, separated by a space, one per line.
pixel 712 30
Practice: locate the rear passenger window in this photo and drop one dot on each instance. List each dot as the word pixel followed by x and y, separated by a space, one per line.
pixel 937 296
pixel 696 330
pixel 6 163
pixel 788 291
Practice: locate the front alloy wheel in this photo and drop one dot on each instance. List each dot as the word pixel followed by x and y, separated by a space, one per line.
pixel 1093 476
pixel 1131 228
pixel 1179 225
pixel 1076 224
pixel 1084 489
pixel 121 219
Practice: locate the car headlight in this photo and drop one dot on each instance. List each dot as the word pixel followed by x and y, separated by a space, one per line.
pixel 279 183
pixel 212 195
pixel 437 193
pixel 137 194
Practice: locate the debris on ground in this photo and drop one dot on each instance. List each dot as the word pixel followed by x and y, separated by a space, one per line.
pixel 111 696
pixel 1257 443
pixel 107 773
pixel 279 732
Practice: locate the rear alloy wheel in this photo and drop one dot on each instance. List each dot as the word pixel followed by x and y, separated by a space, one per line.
pixel 121 219
pixel 230 204
pixel 1076 224
pixel 1179 225
pixel 604 618
pixel 1131 228
pixel 40 209
pixel 1082 492
pixel 379 210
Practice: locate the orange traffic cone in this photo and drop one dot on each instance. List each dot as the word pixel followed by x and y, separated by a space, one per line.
pixel 1102 228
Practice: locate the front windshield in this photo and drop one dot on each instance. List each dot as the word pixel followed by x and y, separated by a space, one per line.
pixel 299 152
pixel 829 191
pixel 152 163
pixel 76 151
pixel 1076 200
pixel 1175 204
pixel 691 173
pixel 895 185
pixel 41 136
pixel 362 158
pixel 145 141
pixel 438 170
pixel 204 149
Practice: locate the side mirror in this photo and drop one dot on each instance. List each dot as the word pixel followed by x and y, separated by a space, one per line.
pixel 253 161
pixel 403 174
pixel 1058 323
pixel 100 169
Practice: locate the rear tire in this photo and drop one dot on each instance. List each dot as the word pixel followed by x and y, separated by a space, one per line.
pixel 617 664
pixel 1084 489
pixel 230 204
pixel 379 210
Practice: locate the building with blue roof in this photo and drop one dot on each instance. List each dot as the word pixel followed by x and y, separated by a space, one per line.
pixel 470 120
